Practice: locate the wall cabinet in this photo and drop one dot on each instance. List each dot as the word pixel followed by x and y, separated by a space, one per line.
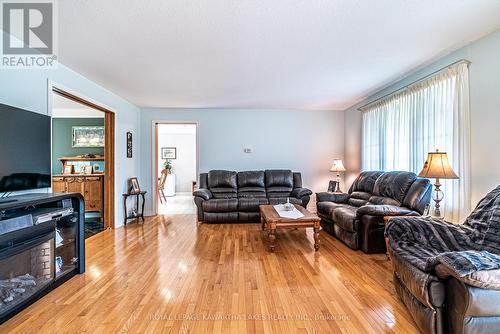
pixel 90 186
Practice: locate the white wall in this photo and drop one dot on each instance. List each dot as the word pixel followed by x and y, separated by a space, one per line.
pixel 28 89
pixel 484 70
pixel 304 141
pixel 183 138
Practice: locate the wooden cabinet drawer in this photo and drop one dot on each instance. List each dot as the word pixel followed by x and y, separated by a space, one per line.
pixel 93 206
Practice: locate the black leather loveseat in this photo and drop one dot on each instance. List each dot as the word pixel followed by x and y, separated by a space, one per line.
pixel 227 196
pixel 357 218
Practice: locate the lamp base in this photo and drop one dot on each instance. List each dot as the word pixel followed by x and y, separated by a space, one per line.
pixel 437 197
pixel 337 188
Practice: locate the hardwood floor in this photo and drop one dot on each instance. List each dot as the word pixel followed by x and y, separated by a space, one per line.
pixel 174 276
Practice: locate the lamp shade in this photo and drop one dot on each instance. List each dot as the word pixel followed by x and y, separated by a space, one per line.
pixel 437 166
pixel 337 166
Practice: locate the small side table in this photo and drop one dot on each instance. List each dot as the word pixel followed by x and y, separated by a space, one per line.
pixel 138 214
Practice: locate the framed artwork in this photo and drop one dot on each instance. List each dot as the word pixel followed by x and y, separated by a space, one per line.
pixel 129 144
pixel 68 169
pixel 168 153
pixel 87 169
pixel 88 136
pixel 134 185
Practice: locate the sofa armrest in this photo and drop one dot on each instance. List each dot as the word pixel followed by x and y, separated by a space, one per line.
pixel 385 210
pixel 484 279
pixel 300 192
pixel 332 197
pixel 203 193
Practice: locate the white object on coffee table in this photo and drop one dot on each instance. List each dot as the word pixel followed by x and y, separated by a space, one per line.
pixel 293 214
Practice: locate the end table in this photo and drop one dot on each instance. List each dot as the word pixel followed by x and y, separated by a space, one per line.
pixel 138 214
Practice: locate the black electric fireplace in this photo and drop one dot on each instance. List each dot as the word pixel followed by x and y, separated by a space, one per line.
pixel 41 246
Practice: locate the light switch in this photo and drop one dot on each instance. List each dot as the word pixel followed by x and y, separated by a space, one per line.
pixel 247 150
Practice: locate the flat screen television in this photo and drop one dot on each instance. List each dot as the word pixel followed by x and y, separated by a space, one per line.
pixel 25 157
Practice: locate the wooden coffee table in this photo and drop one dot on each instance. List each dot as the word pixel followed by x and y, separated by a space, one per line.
pixel 272 220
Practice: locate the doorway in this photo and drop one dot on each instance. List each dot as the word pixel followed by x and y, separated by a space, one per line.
pixel 83 156
pixel 175 166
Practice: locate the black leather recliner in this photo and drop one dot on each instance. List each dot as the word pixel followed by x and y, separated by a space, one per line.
pixel 357 218
pixel 228 196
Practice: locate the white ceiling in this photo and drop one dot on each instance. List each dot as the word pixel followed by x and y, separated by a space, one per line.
pixel 302 54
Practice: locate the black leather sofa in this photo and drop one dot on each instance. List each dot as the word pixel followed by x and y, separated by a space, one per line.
pixel 357 218
pixel 227 196
pixel 439 299
pixel 440 303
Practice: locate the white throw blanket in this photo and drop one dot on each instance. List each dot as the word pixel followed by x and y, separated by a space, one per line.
pixel 293 214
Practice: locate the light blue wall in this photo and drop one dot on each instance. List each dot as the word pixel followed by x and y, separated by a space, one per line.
pixel 304 141
pixel 484 71
pixel 28 89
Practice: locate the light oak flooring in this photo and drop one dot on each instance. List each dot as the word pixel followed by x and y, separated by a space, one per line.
pixel 178 204
pixel 171 275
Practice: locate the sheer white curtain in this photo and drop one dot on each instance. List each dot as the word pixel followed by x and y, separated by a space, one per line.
pixel 400 130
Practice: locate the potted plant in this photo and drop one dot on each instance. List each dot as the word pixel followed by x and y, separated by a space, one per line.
pixel 168 165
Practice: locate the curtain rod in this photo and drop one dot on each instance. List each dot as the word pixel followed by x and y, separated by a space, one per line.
pixel 363 107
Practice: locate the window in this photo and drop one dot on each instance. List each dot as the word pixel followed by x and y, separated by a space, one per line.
pixel 399 131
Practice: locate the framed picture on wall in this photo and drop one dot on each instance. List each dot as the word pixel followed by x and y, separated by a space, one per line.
pixel 88 136
pixel 169 153
pixel 129 144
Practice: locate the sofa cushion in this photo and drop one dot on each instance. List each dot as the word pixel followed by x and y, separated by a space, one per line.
pixel 278 190
pixel 418 195
pixel 279 178
pixel 251 190
pixel 254 179
pixel 359 198
pixel 251 194
pixel 221 179
pixel 345 217
pixel 365 182
pixel 251 204
pixel 297 180
pixel 393 185
pixel 380 200
pixel 224 193
pixel 221 205
pixel 325 209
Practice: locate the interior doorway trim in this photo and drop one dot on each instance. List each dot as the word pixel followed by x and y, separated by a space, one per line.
pixel 154 156
pixel 109 146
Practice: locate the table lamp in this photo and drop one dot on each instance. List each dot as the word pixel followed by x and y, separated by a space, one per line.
pixel 437 167
pixel 337 166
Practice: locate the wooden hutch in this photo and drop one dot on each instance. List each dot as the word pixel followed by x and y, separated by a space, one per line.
pixel 90 185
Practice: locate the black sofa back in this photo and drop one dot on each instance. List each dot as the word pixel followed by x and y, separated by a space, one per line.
pixel 251 184
pixel 222 183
